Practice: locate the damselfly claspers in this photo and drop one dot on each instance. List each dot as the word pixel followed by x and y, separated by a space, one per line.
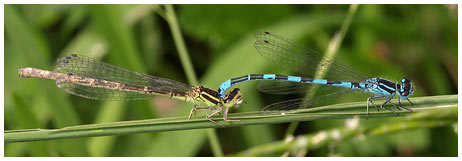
pixel 286 53
pixel 89 78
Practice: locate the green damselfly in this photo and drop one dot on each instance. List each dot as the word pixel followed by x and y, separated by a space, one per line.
pixel 89 78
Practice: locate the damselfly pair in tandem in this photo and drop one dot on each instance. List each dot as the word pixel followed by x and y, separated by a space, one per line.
pixel 90 78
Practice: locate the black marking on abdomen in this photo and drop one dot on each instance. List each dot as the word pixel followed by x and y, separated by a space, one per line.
pixel 305 80
pixel 256 76
pixel 281 77
pixel 355 85
pixel 239 80
pixel 333 82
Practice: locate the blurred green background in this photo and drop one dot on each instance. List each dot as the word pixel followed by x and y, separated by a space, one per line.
pixel 391 41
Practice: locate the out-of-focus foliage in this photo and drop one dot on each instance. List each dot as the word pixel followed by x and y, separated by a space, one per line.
pixel 392 41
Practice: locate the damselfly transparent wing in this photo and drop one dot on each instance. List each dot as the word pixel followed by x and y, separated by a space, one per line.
pixel 301 102
pixel 87 67
pixel 305 61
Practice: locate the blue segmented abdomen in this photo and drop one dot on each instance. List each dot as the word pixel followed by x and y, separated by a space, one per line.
pixel 234 81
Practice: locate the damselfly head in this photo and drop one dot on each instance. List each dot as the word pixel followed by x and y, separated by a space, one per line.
pixel 233 98
pixel 405 90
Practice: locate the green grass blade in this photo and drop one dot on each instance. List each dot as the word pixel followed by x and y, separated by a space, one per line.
pixel 422 119
pixel 180 45
pixel 337 111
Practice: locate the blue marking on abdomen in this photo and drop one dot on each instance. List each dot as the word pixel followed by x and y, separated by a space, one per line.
pixel 269 76
pixel 224 86
pixel 343 84
pixel 362 85
pixel 294 78
pixel 319 81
